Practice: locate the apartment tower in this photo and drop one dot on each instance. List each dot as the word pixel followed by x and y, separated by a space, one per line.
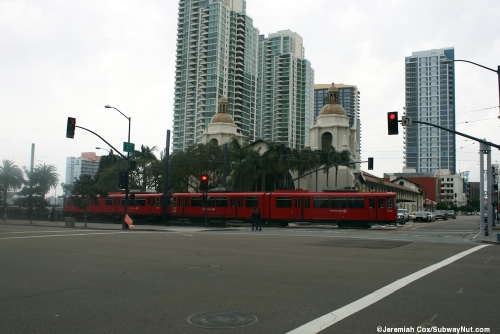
pixel 430 97
pixel 216 57
pixel 285 98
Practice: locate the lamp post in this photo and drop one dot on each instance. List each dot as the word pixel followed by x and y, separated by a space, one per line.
pixel 117 166
pixel 125 226
pixel 497 71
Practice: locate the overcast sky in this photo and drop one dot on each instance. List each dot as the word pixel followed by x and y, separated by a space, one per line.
pixel 61 58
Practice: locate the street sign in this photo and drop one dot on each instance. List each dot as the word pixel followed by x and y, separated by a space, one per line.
pixel 128 147
pixel 406 120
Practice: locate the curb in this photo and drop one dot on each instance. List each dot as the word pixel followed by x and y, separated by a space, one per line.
pixel 490 242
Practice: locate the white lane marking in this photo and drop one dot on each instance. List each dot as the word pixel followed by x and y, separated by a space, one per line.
pixel 62 235
pixel 333 317
pixel 19 232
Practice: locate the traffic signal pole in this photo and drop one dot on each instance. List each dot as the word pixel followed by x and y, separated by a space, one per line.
pixel 484 149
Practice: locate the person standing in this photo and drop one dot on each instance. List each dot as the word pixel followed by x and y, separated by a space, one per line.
pixel 52 213
pixel 258 222
pixel 254 219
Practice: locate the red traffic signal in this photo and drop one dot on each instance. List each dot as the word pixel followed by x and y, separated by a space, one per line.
pixel 392 123
pixel 70 128
pixel 204 182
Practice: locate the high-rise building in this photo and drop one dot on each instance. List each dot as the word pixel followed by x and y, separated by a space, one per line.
pixel 285 90
pixel 349 99
pixel 216 57
pixel 430 97
pixel 86 164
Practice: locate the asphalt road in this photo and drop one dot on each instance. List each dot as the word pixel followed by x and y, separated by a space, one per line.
pixel 57 280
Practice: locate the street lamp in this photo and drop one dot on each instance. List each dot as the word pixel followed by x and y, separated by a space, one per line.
pixel 117 166
pixel 125 226
pixel 449 61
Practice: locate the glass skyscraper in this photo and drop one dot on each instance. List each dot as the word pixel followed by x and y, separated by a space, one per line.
pixel 285 90
pixel 430 97
pixel 216 56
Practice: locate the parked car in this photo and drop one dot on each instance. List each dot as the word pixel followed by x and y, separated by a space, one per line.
pixel 431 216
pixel 441 214
pixel 403 215
pixel 422 216
pixel 452 214
pixel 411 216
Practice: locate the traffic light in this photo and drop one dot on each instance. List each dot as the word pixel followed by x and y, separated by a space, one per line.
pixel 133 165
pixel 70 128
pixel 204 182
pixel 370 163
pixel 392 122
pixel 123 179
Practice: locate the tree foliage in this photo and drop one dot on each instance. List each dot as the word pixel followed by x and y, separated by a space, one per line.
pixel 86 192
pixel 11 178
pixel 36 185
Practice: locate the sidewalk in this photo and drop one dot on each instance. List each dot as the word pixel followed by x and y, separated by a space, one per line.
pixel 493 237
pixel 112 227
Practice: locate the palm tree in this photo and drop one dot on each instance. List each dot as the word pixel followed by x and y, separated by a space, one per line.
pixel 277 161
pixel 331 157
pixel 343 157
pixel 149 166
pixel 304 160
pixel 46 177
pixel 328 157
pixel 11 177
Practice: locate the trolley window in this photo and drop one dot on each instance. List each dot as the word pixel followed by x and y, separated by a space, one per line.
pixel 381 203
pixel 356 202
pixel 109 202
pixel 116 201
pixel 158 201
pixel 138 202
pixel 186 201
pixel 196 201
pixel 221 202
pixel 320 202
pixel 307 202
pixel 252 202
pixel 297 202
pixel 338 202
pixel 232 202
pixel 389 202
pixel 283 202
pixel 372 202
pixel 211 201
pixel 174 201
